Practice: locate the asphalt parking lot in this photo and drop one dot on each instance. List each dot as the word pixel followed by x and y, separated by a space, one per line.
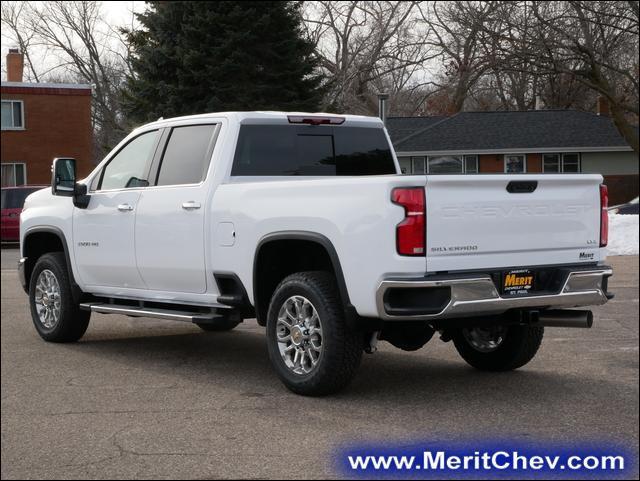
pixel 139 398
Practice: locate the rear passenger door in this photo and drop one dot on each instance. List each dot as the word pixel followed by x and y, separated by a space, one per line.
pixel 170 220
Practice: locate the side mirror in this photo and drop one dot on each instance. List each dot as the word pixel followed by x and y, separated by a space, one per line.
pixel 63 182
pixel 63 177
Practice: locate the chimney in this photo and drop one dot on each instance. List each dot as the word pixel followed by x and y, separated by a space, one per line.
pixel 382 106
pixel 15 65
pixel 603 106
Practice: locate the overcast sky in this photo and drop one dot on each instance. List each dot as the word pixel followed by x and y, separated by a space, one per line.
pixel 115 12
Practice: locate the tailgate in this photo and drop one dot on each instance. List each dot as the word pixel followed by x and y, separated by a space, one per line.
pixel 475 222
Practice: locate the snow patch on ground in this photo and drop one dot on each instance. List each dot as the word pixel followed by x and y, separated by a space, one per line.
pixel 623 235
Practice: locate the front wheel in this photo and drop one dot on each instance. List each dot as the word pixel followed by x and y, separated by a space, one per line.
pixel 311 348
pixel 56 316
pixel 498 348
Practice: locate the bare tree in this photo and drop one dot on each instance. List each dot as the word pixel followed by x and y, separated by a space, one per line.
pixel 608 52
pixel 13 20
pixel 366 47
pixel 591 43
pixel 460 33
pixel 514 81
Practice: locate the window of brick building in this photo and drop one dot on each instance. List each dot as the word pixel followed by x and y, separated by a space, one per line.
pixel 13 174
pixel 12 115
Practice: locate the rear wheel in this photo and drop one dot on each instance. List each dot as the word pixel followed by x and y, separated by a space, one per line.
pixel 310 346
pixel 56 316
pixel 498 348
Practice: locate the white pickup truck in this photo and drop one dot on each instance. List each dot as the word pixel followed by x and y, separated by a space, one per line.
pixel 303 222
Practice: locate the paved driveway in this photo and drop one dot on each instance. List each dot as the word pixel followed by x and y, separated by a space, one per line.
pixel 140 398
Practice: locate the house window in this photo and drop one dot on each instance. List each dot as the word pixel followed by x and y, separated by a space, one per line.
pixel 515 163
pixel 405 164
pixel 555 163
pixel 439 164
pixel 418 165
pixel 551 163
pixel 445 164
pixel 570 162
pixel 13 174
pixel 12 115
pixel 470 164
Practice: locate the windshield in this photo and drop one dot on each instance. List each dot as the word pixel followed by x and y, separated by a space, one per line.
pixel 14 198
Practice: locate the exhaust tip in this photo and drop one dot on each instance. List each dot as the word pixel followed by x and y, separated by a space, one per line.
pixel 589 319
pixel 563 318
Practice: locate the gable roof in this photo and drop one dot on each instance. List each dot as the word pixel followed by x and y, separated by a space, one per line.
pixel 401 127
pixel 502 131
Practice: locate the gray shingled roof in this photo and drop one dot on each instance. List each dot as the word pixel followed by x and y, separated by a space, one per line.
pixel 485 131
pixel 401 127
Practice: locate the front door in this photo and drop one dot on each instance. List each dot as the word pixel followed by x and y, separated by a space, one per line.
pixel 103 238
pixel 103 233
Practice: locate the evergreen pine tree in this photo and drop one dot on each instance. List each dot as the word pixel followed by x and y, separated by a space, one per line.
pixel 195 57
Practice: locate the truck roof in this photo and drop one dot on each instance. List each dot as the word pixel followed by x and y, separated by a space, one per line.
pixel 268 117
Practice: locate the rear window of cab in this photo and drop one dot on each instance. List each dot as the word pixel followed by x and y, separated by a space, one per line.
pixel 310 150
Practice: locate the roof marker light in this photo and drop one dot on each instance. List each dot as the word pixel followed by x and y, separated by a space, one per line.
pixel 300 119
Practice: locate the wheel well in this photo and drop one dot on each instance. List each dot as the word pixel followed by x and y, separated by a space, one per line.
pixel 36 245
pixel 276 259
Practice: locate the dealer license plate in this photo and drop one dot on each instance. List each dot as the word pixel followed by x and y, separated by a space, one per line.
pixel 518 282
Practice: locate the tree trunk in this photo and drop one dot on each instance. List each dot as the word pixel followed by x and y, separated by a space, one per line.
pixel 627 130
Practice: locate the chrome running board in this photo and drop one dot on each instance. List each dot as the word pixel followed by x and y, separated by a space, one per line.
pixel 154 312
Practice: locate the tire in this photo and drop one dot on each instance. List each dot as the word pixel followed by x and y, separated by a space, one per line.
pixel 219 325
pixel 338 350
pixel 71 323
pixel 519 346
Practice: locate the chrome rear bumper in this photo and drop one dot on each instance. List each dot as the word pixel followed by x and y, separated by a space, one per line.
pixel 477 295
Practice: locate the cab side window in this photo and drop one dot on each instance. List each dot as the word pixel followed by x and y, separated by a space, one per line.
pixel 129 168
pixel 187 155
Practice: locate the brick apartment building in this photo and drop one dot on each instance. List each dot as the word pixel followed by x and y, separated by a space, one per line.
pixel 41 121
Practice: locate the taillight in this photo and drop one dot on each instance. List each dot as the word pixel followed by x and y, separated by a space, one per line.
pixel 604 215
pixel 411 232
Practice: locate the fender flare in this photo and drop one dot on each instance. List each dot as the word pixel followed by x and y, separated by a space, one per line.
pixel 325 242
pixel 76 291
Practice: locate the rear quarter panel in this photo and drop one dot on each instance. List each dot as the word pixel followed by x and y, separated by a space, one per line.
pixel 354 213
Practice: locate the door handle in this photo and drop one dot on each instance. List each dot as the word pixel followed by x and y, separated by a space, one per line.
pixel 124 207
pixel 190 205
